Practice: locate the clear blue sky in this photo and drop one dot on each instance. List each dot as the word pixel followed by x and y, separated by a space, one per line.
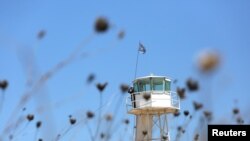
pixel 173 32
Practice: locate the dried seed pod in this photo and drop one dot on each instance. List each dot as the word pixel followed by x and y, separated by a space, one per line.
pixel 102 135
pixel 38 124
pixel 208 115
pixel 101 25
pixel 144 133
pixel 72 121
pixel 240 120
pixel 192 85
pixel 208 60
pixel 181 92
pixel 11 137
pixel 41 34
pixel 101 87
pixel 4 84
pixel 90 78
pixel 126 121
pixel 196 137
pixel 236 111
pixel 121 34
pixel 164 137
pixel 109 117
pixel 177 113
pixel 90 115
pixel 30 117
pixel 179 128
pixel 186 113
pixel 197 106
pixel 146 96
pixel 124 88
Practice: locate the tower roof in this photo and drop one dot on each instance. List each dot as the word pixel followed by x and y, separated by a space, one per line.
pixel 152 76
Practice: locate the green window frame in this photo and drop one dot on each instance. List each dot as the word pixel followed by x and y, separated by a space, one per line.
pixel 167 85
pixel 157 84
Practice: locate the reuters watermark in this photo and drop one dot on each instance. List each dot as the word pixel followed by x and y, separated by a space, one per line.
pixel 241 132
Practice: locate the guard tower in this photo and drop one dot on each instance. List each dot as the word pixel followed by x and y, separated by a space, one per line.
pixel 150 101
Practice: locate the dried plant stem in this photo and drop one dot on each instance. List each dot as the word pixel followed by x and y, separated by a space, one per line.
pixel 2 96
pixel 64 133
pixel 13 127
pixel 20 131
pixel 116 128
pixel 101 50
pixel 84 121
pixel 35 136
pixel 44 78
pixel 184 127
pixel 117 107
pixel 60 103
pixel 99 117
pixel 107 104
pixel 90 132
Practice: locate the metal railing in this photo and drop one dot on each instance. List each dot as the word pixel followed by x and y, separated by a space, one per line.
pixel 132 104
